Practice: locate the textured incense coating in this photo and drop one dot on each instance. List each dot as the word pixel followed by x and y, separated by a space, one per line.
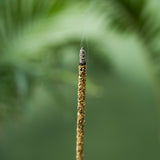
pixel 81 108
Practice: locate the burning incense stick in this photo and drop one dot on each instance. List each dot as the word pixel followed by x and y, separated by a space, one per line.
pixel 81 105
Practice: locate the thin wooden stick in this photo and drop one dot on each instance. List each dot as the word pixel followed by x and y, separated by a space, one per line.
pixel 81 105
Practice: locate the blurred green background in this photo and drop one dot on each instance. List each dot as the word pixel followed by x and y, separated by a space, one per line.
pixel 39 55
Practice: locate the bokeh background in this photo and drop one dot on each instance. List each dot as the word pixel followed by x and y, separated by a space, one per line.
pixel 39 55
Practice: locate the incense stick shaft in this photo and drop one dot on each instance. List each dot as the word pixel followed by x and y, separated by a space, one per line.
pixel 81 112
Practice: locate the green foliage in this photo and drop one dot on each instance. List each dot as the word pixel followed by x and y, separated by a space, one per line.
pixel 137 16
pixel 127 14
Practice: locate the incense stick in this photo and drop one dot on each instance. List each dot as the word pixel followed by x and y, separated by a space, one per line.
pixel 81 105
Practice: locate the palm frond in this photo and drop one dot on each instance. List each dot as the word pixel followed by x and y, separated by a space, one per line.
pixel 130 16
pixel 126 15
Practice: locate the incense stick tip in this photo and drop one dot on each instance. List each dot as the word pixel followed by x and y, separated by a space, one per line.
pixel 82 56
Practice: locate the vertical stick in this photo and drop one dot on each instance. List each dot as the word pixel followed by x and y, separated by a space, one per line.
pixel 81 105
